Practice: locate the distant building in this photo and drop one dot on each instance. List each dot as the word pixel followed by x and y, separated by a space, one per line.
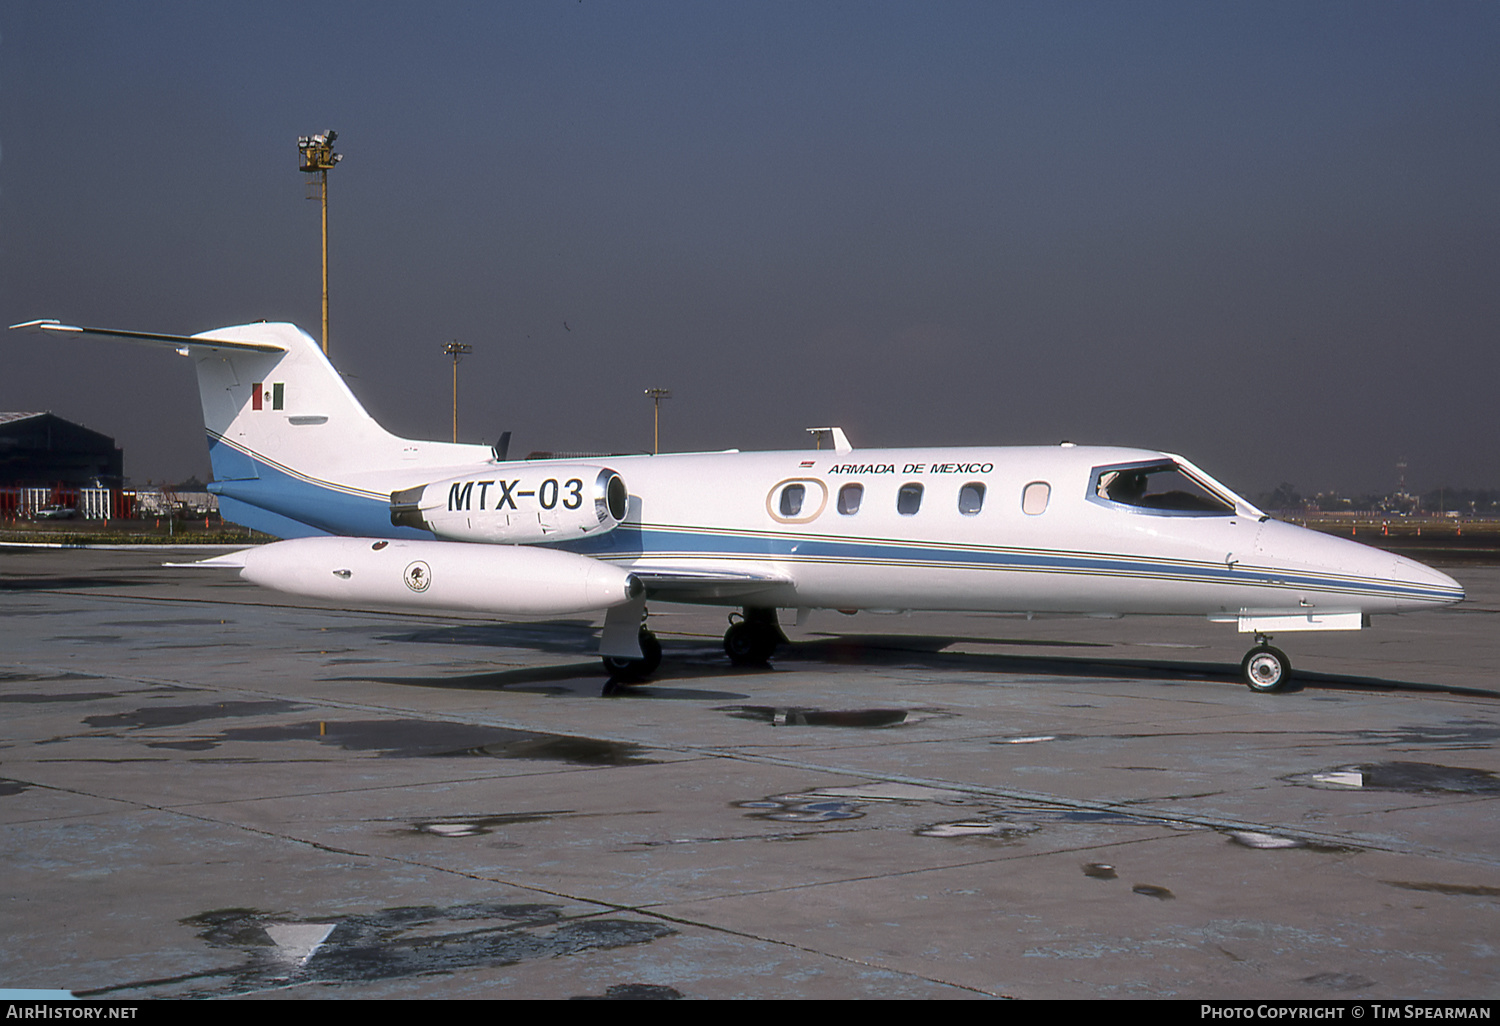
pixel 43 450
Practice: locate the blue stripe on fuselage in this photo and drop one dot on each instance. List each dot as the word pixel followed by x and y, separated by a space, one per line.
pixel 265 498
pixel 631 541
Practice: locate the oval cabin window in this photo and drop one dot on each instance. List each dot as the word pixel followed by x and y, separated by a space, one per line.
pixel 797 501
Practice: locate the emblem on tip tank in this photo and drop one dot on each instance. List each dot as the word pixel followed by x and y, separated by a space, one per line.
pixel 418 576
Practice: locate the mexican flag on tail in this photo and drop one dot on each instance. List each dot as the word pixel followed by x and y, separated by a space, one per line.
pixel 262 392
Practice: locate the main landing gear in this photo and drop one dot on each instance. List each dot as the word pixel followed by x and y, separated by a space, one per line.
pixel 630 671
pixel 1265 669
pixel 752 639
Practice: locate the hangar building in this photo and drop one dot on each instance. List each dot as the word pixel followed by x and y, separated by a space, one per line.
pixel 43 450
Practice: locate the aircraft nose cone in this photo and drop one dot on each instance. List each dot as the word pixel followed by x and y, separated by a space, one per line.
pixel 1443 589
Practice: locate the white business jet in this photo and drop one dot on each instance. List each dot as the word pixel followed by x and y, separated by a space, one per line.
pixel 370 518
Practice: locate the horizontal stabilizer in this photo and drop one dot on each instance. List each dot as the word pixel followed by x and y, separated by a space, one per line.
pixel 178 342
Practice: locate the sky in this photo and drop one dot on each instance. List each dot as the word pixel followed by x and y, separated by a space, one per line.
pixel 1264 235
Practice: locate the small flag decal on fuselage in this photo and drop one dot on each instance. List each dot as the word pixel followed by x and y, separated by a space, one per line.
pixel 259 393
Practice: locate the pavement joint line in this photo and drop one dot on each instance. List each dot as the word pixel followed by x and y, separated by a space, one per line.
pixel 605 906
pixel 1129 808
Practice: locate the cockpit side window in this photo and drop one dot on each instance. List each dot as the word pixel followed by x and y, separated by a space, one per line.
pixel 1161 488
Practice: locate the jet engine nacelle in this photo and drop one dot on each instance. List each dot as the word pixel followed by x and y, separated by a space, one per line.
pixel 435 575
pixel 516 503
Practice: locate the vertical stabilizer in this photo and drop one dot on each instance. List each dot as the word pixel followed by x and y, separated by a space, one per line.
pixel 293 451
pixel 284 409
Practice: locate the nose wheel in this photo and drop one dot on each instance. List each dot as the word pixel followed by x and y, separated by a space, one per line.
pixel 1265 669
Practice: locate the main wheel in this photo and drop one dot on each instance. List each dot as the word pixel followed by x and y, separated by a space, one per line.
pixel 619 667
pixel 749 644
pixel 1265 669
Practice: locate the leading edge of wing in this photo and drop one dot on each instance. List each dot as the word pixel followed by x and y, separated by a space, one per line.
pixel 677 585
pixel 178 342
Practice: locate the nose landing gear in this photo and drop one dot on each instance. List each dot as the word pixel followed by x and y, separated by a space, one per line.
pixel 1265 669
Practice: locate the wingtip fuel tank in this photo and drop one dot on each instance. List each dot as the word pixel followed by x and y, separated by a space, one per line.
pixel 440 575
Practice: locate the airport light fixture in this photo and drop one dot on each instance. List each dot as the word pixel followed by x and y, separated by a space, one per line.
pixel 456 350
pixel 657 395
pixel 316 158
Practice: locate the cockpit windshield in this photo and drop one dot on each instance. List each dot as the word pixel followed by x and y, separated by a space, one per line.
pixel 1164 487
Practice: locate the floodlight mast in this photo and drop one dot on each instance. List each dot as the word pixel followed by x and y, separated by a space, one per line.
pixel 456 350
pixel 316 157
pixel 657 395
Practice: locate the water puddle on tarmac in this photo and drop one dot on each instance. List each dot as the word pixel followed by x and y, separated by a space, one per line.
pixel 480 826
pixel 1278 842
pixel 278 950
pixel 835 803
pixel 387 738
pixel 990 829
pixel 149 717
pixel 798 808
pixel 1408 777
pixel 982 818
pixel 793 716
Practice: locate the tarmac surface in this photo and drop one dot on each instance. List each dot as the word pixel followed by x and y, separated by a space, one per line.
pixel 209 790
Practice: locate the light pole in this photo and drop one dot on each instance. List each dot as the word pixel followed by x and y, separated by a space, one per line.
pixel 316 157
pixel 657 395
pixel 456 350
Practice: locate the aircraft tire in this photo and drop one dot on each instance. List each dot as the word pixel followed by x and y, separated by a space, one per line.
pixel 749 644
pixel 632 670
pixel 1265 669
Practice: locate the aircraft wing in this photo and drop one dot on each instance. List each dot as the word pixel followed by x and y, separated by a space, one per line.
pixel 672 584
pixel 182 343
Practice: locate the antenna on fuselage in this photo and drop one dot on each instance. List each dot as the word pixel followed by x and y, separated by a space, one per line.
pixel 837 440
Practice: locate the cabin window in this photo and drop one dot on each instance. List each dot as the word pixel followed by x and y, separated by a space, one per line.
pixel 1034 498
pixel 909 499
pixel 797 501
pixel 1162 488
pixel 850 497
pixel 971 498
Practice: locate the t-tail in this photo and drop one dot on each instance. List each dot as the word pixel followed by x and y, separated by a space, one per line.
pixel 294 454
